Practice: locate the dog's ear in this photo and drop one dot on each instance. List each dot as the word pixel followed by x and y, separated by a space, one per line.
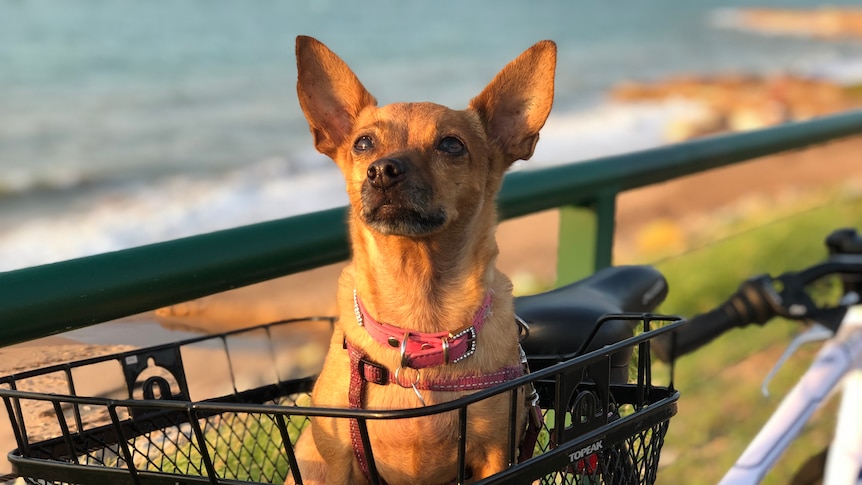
pixel 330 94
pixel 515 105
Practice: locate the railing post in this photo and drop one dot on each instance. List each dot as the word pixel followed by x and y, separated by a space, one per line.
pixel 586 238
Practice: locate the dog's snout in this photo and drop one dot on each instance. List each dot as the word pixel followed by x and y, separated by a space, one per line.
pixel 386 172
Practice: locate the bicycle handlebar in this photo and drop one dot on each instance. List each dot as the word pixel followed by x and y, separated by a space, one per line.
pixel 757 300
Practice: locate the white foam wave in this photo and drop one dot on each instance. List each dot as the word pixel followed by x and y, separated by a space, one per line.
pixel 180 206
pixel 16 180
pixel 606 129
pixel 175 207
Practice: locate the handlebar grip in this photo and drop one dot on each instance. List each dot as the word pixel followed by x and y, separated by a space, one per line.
pixel 753 302
pixel 697 332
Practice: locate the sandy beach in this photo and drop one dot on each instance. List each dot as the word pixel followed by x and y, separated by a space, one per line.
pixel 527 249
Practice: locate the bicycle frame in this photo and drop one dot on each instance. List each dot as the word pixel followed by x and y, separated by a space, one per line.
pixel 840 358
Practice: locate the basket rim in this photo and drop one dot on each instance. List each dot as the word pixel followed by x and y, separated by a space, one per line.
pixel 312 411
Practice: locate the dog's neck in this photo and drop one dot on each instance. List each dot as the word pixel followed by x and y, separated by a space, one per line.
pixel 431 284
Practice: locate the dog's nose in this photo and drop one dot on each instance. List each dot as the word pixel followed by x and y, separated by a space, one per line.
pixel 386 172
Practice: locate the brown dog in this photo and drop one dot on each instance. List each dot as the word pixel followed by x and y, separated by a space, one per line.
pixel 422 180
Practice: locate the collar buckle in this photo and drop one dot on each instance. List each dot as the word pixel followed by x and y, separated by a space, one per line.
pixel 471 341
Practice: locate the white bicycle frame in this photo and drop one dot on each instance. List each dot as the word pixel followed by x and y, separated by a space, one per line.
pixel 840 358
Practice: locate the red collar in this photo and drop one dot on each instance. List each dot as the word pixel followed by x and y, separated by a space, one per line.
pixel 421 350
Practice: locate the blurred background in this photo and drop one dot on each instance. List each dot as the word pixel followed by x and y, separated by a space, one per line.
pixel 124 123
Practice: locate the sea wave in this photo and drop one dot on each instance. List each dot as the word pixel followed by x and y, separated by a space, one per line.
pixel 21 180
pixel 174 207
pixel 607 129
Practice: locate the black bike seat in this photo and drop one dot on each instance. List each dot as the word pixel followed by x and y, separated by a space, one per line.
pixel 562 320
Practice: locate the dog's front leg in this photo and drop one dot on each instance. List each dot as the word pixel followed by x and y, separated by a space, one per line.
pixel 494 461
pixel 344 470
pixel 312 467
pixel 339 465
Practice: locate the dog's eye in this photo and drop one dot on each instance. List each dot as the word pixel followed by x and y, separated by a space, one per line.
pixel 363 143
pixel 451 146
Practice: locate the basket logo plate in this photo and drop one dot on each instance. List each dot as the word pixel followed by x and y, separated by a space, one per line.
pixel 586 450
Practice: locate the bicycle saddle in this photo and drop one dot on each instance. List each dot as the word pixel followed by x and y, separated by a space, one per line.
pixel 562 320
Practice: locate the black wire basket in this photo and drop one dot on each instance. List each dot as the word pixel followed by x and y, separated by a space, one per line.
pixel 143 417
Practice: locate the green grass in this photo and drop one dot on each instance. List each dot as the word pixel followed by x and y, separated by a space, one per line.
pixel 721 408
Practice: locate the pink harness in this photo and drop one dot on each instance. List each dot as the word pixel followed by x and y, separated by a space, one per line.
pixel 419 351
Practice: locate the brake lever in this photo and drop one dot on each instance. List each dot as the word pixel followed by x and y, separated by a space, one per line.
pixel 795 303
pixel 814 333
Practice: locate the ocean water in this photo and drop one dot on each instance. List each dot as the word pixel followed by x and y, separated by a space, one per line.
pixel 124 122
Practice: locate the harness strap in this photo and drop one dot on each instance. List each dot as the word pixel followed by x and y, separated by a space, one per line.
pixel 380 375
pixel 363 370
pixel 354 397
pixel 531 435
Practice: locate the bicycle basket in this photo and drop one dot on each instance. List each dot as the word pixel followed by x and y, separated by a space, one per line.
pixel 139 417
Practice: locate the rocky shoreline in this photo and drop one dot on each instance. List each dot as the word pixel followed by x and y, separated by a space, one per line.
pixel 740 102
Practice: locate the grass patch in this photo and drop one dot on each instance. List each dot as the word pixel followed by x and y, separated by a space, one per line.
pixel 721 408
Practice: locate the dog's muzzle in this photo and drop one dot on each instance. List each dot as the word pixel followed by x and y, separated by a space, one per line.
pixel 396 200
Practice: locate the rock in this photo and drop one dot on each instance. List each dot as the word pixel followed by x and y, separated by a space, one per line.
pixel 700 123
pixel 823 22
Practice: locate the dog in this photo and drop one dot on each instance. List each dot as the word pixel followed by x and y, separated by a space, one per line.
pixel 423 312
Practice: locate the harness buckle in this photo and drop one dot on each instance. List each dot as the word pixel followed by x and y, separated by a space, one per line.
pixel 372 372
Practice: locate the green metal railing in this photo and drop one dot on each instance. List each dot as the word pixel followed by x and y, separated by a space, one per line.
pixel 44 300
